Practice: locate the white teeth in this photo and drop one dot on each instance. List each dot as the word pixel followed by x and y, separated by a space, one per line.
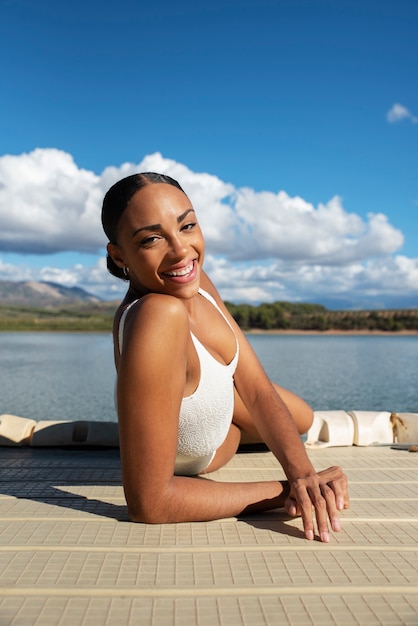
pixel 183 272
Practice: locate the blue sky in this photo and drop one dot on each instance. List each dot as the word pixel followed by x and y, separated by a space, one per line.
pixel 292 125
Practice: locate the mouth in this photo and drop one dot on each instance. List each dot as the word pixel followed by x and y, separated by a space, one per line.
pixel 184 271
pixel 183 274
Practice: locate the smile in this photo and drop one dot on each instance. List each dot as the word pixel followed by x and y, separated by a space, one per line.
pixel 185 271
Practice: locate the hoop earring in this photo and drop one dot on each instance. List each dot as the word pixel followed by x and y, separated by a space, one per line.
pixel 125 271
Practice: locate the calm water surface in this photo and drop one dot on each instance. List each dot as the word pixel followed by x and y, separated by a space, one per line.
pixel 71 376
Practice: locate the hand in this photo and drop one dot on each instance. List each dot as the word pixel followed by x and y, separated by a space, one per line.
pixel 327 493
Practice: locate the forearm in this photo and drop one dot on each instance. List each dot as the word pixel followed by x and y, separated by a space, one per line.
pixel 188 499
pixel 278 430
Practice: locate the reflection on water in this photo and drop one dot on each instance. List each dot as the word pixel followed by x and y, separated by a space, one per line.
pixel 71 375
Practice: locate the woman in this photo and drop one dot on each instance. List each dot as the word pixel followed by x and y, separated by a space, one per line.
pixel 189 386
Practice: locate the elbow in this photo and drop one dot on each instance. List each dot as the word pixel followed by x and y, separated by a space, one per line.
pixel 150 510
pixel 144 516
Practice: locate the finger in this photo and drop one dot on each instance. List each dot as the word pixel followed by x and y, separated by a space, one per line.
pixel 291 507
pixel 320 505
pixel 340 491
pixel 332 508
pixel 304 502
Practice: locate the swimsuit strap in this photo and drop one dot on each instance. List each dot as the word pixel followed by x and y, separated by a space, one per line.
pixel 122 323
pixel 212 300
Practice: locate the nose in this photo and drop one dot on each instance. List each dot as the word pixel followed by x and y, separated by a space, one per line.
pixel 178 247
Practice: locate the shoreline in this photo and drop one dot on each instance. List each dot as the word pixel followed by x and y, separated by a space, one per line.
pixel 369 333
pixel 250 331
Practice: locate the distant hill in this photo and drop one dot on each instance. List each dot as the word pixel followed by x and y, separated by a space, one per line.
pixel 48 306
pixel 42 294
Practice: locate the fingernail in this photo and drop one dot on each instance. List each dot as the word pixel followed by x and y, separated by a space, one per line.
pixel 325 537
pixel 309 535
pixel 336 524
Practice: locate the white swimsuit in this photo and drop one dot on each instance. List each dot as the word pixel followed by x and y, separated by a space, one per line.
pixel 206 415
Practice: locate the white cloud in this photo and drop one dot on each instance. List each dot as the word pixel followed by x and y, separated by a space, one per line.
pixel 398 113
pixel 48 204
pixel 260 246
pixel 278 226
pixel 357 283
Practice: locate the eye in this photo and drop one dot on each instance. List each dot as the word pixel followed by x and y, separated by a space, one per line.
pixel 189 226
pixel 148 241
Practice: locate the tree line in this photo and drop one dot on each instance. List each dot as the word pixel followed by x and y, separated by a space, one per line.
pixel 315 317
pixel 268 316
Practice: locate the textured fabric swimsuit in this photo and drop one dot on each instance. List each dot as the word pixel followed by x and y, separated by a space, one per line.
pixel 206 415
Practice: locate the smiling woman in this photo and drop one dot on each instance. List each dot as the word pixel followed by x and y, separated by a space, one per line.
pixel 189 385
pixel 159 242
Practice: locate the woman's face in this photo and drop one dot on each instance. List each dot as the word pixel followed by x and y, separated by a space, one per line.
pixel 160 241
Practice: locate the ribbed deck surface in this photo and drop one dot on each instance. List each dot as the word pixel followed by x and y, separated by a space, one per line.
pixel 68 555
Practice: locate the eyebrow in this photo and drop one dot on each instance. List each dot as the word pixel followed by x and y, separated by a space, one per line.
pixel 153 227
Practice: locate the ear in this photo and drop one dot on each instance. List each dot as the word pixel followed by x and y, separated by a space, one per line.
pixel 115 253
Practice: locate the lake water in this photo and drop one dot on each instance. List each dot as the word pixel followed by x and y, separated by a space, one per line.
pixel 61 376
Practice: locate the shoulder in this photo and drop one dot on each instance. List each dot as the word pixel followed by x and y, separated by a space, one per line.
pixel 156 318
pixel 154 309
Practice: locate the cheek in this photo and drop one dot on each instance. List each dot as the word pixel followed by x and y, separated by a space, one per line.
pixel 200 242
pixel 146 265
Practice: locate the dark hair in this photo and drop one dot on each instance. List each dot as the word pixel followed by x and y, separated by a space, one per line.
pixel 116 201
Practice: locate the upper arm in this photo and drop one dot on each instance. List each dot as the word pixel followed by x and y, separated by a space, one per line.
pixel 151 380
